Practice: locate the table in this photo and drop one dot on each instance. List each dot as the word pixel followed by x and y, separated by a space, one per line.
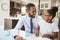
pixel 29 36
pixel 5 35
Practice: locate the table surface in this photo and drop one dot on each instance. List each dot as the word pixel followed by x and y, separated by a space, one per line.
pixel 4 35
pixel 29 36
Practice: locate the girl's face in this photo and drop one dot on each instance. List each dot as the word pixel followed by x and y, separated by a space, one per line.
pixel 47 17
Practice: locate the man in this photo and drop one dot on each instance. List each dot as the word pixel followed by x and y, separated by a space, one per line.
pixel 30 21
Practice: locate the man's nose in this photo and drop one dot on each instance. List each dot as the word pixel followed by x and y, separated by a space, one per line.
pixel 34 13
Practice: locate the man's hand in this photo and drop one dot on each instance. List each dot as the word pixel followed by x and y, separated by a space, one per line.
pixel 19 38
pixel 37 31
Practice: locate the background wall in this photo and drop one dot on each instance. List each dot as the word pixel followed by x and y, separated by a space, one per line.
pixel 4 10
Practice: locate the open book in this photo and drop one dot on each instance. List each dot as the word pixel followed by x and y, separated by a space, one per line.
pixel 29 36
pixel 33 37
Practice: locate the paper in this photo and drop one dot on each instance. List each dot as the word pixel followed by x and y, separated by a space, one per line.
pixel 33 37
pixel 22 34
pixel 30 36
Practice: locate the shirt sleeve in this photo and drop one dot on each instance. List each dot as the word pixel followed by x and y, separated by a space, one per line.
pixel 55 28
pixel 18 27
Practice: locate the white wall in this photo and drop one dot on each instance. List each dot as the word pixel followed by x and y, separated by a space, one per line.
pixel 18 1
pixel 4 13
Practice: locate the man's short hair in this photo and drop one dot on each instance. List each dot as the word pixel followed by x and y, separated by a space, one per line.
pixel 29 5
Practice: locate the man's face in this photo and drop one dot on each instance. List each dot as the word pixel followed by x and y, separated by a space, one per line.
pixel 47 16
pixel 32 12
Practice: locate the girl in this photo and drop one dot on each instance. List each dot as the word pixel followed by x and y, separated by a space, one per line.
pixel 48 28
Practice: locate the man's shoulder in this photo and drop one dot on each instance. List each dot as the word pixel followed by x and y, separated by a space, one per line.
pixel 22 17
pixel 39 17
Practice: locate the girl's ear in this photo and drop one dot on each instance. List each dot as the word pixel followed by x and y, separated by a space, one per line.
pixel 52 17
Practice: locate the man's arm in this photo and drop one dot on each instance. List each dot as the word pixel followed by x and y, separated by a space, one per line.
pixel 19 24
pixel 17 28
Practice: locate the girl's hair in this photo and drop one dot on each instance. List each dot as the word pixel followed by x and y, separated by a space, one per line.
pixel 52 11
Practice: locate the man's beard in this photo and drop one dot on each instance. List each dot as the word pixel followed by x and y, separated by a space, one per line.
pixel 32 16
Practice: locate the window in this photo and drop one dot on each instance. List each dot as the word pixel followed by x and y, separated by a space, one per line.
pixel 42 5
pixel 46 5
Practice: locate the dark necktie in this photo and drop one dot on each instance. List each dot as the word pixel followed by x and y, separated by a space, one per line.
pixel 31 25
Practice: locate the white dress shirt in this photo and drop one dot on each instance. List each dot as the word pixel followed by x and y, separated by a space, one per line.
pixel 25 20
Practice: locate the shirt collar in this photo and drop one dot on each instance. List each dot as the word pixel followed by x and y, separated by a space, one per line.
pixel 28 16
